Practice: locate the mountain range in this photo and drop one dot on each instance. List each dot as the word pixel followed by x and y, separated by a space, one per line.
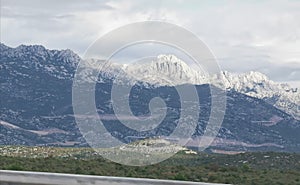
pixel 36 100
pixel 168 70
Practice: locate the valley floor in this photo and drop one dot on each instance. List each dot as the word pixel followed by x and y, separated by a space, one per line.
pixel 245 168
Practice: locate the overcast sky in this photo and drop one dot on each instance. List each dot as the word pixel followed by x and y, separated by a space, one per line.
pixel 244 35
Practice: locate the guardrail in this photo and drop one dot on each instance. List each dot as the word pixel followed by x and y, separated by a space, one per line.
pixel 41 178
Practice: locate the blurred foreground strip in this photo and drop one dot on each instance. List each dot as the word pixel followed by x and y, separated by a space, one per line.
pixel 41 178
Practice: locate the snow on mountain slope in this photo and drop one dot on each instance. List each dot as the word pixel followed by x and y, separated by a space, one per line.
pixel 258 85
pixel 166 70
pixel 170 70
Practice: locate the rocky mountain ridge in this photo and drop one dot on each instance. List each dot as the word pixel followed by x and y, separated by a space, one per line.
pixel 36 103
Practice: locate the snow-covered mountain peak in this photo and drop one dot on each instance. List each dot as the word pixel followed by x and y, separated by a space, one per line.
pixel 250 77
pixel 170 64
pixel 165 70
pixel 254 82
pixel 258 85
pixel 255 76
pixel 169 58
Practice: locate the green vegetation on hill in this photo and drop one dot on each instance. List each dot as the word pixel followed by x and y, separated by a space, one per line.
pixel 247 168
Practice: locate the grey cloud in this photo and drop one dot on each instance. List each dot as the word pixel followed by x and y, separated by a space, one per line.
pixel 54 6
pixel 45 10
pixel 283 73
